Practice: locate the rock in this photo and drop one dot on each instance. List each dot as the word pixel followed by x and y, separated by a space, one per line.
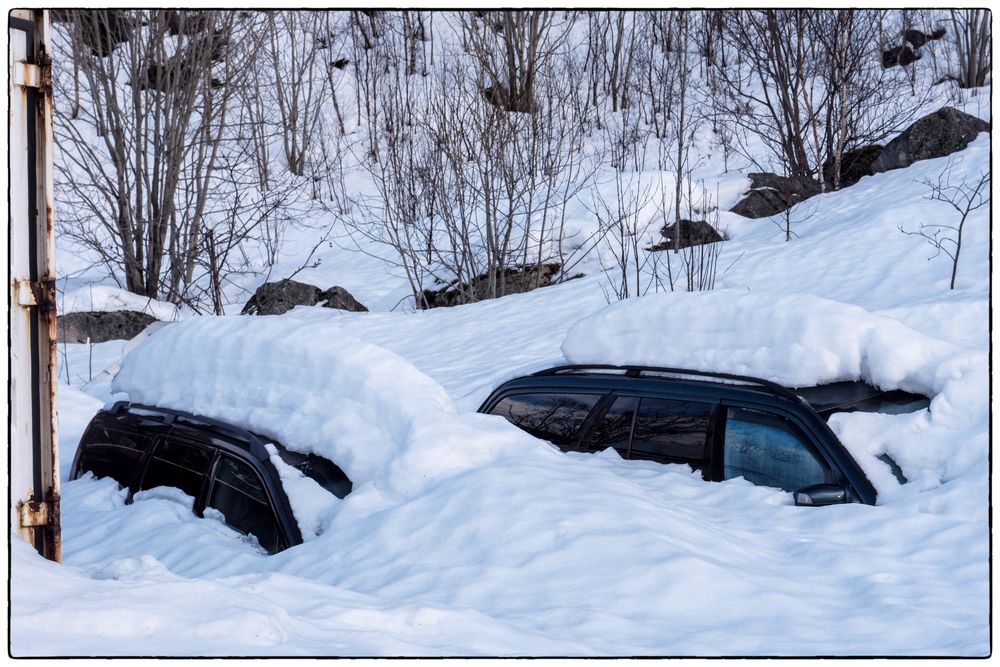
pixel 693 232
pixel 853 165
pixel 918 37
pixel 101 327
pixel 516 281
pixel 941 133
pixel 341 299
pixel 279 297
pixel 770 194
pixel 901 55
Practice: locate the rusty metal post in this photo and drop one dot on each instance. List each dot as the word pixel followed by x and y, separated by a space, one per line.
pixel 33 446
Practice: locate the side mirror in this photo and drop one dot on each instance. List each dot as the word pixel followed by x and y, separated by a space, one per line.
pixel 821 494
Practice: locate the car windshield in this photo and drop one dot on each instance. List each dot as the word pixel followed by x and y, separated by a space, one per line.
pixel 837 397
pixel 323 471
pixel 840 397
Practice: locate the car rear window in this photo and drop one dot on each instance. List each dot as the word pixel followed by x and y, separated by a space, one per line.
pixel 111 452
pixel 553 417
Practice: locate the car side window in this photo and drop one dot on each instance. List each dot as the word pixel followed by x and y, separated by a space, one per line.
pixel 178 464
pixel 239 495
pixel 769 451
pixel 614 427
pixel 112 454
pixel 553 417
pixel 671 431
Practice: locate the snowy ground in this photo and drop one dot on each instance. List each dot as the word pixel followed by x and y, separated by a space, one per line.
pixel 465 536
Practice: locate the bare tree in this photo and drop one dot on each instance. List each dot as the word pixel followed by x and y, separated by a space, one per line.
pixel 162 189
pixel 510 48
pixel 763 91
pixel 973 41
pixel 297 79
pixel 627 230
pixel 965 197
pixel 808 85
pixel 161 134
pixel 469 191
pixel 865 102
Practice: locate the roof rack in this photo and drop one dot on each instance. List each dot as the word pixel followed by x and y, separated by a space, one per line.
pixel 256 445
pixel 638 371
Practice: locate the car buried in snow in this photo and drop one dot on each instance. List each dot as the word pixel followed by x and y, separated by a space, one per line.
pixel 724 425
pixel 226 469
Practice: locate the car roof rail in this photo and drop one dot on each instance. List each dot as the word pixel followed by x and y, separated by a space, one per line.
pixel 254 442
pixel 638 371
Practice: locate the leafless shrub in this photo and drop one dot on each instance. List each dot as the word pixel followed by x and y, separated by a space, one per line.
pixel 965 196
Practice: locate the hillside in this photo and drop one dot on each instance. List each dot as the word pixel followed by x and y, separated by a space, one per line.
pixel 465 536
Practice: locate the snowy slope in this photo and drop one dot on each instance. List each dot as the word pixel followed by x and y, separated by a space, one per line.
pixel 465 536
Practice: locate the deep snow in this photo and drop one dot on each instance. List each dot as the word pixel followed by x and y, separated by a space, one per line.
pixel 465 536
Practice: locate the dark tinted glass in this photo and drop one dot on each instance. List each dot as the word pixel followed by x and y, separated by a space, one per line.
pixel 239 495
pixel 769 451
pixel 178 464
pixel 114 461
pixel 553 417
pixel 614 427
pixel 323 471
pixel 670 431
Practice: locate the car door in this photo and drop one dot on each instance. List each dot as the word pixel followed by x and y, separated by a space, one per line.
pixel 238 493
pixel 769 449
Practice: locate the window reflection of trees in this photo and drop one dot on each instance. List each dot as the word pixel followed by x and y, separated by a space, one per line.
pixel 613 429
pixel 556 418
pixel 670 430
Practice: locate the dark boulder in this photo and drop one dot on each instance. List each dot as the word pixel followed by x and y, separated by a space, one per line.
pixel 918 37
pixel 693 232
pixel 341 299
pixel 901 55
pixel 941 133
pixel 516 281
pixel 279 297
pixel 770 194
pixel 101 327
pixel 853 165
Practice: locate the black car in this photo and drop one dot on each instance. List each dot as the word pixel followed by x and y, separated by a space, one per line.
pixel 221 466
pixel 724 425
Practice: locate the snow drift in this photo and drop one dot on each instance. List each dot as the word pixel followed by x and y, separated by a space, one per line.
pixel 316 389
pixel 796 340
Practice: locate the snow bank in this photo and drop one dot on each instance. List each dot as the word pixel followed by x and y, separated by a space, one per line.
pixel 104 298
pixel 797 339
pixel 316 389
